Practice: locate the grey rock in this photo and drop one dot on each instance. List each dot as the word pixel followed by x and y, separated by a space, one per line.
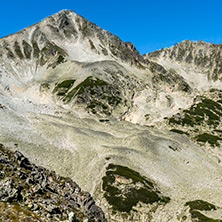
pixel 72 217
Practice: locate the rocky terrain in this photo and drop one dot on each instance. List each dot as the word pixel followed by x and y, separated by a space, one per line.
pixel 32 193
pixel 141 133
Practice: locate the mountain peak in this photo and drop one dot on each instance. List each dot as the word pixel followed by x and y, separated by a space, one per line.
pixel 78 38
pixel 66 11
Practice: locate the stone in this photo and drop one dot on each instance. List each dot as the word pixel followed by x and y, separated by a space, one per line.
pixel 72 217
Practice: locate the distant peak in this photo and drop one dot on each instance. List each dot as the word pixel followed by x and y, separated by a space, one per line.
pixel 65 11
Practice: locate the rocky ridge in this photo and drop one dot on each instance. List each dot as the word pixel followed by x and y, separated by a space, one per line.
pixel 196 55
pixel 41 195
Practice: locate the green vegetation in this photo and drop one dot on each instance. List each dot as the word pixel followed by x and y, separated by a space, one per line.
pixel 66 84
pixel 200 205
pixel 126 194
pixel 197 216
pixel 62 88
pixel 98 95
pixel 206 112
pixel 97 104
pixel 186 119
pixel 211 139
pixel 89 83
pixel 179 131
pixel 60 60
pixel 91 44
pixel 18 50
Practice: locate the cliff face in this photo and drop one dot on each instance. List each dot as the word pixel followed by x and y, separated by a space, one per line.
pixel 141 133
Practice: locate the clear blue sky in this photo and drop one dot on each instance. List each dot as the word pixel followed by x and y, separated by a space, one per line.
pixel 149 25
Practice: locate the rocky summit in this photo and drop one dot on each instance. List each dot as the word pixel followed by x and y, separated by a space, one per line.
pixel 140 134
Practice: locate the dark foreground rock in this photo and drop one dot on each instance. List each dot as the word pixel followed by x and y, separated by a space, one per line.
pixel 32 193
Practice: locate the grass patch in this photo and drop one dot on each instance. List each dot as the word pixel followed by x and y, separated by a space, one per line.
pixel 96 94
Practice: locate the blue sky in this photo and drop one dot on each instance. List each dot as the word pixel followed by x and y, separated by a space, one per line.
pixel 149 25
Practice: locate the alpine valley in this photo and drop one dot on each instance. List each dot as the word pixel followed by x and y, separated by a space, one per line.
pixel 141 135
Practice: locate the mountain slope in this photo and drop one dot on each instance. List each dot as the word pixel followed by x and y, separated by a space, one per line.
pixel 198 59
pixel 78 100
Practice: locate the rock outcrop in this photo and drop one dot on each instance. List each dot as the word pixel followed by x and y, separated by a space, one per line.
pixel 41 194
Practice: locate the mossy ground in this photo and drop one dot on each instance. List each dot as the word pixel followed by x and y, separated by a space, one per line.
pixel 211 139
pixel 199 205
pixel 137 189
